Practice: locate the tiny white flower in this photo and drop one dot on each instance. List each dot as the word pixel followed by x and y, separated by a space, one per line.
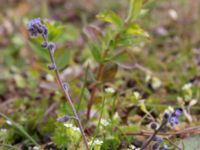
pixel 50 77
pixel 104 122
pixel 193 102
pixel 173 14
pixel 96 142
pixel 116 116
pixel 156 83
pixel 187 86
pixel 3 130
pixel 110 90
pixel 137 95
pixel 132 147
pixel 68 125
pixel 36 148
pixel 71 126
pixel 169 110
pixel 9 122
pixel 76 129
pixel 179 99
pixel 147 78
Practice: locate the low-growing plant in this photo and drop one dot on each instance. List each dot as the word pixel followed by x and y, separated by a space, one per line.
pixel 35 28
pixel 108 44
pixel 103 48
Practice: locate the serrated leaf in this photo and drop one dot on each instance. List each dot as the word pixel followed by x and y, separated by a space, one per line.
pixel 134 9
pixel 111 17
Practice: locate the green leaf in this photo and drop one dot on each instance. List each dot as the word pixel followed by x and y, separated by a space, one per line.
pixel 129 128
pixel 134 9
pixel 119 56
pixel 134 29
pixel 111 142
pixel 111 17
pixel 95 50
pixel 42 53
pixel 62 57
pixel 20 81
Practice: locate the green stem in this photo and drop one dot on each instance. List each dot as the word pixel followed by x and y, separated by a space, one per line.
pixel 99 122
pixel 83 89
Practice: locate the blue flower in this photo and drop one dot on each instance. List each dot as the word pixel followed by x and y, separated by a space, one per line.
pixel 173 120
pixel 35 27
pixel 33 22
pixel 177 112
pixel 158 139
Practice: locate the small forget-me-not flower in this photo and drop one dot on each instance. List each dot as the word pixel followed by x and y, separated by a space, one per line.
pixel 35 27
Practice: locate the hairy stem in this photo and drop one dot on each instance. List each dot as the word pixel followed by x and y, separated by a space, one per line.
pixel 67 96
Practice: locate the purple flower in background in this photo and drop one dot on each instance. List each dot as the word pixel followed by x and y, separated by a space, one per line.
pixel 177 112
pixel 158 139
pixel 173 118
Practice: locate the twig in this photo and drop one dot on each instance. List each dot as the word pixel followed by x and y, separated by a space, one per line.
pixel 170 134
pixel 173 143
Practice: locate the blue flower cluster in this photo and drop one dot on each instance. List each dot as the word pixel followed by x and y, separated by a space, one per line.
pixel 173 119
pixel 157 145
pixel 35 27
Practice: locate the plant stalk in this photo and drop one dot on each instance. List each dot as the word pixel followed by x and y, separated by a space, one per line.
pixel 67 96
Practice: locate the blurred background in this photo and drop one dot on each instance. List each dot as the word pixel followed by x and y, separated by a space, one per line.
pixel 29 94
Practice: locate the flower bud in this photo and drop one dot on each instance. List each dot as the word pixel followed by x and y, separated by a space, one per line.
pixel 153 126
pixel 44 44
pixel 51 47
pixel 66 86
pixel 158 139
pixel 155 146
pixel 63 119
pixel 166 116
pixel 51 67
